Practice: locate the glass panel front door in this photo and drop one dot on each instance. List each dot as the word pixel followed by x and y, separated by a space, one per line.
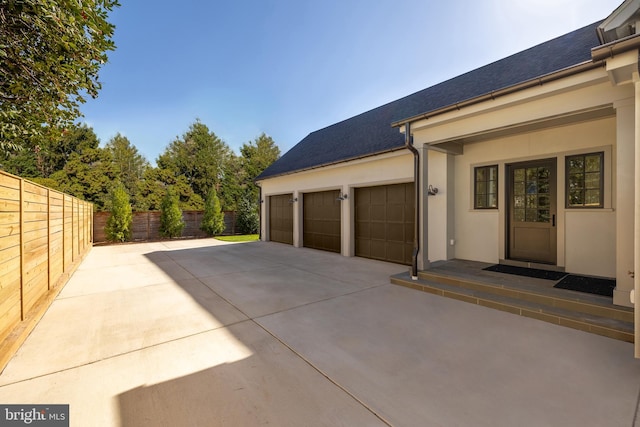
pixel 532 211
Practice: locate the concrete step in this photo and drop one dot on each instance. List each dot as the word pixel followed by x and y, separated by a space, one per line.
pixel 568 300
pixel 548 309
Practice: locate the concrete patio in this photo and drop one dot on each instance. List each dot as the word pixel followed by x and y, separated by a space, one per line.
pixel 208 333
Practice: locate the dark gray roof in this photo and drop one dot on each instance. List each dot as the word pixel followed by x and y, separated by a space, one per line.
pixel 370 133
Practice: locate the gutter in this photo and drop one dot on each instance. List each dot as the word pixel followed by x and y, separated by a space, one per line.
pixel 416 184
pixel 538 81
pixel 615 47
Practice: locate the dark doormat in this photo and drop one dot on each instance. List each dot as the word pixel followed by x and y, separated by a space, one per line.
pixel 528 272
pixel 591 285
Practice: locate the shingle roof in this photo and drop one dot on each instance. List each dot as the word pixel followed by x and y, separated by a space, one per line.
pixel 370 133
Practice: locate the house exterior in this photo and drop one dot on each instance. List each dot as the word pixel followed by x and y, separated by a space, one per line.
pixel 532 160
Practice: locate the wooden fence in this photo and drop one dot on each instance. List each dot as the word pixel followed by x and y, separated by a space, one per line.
pixel 44 235
pixel 146 225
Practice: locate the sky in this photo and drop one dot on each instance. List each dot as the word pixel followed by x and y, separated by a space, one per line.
pixel 290 67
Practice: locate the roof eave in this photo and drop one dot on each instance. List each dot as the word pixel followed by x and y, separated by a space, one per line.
pixel 337 162
pixel 538 81
pixel 616 47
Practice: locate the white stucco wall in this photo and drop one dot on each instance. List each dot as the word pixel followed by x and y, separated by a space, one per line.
pixel 586 237
pixel 391 168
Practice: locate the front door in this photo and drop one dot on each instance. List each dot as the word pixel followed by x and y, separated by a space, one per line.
pixel 531 224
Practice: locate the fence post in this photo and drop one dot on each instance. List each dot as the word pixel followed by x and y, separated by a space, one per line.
pixel 21 249
pixel 48 239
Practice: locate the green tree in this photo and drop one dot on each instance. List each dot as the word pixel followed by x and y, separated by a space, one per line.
pixel 213 218
pixel 155 184
pixel 248 219
pixel 50 55
pixel 256 157
pixel 171 222
pixel 89 171
pixel 131 166
pixel 200 156
pixel 118 227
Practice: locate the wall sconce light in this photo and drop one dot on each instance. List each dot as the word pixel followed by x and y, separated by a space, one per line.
pixel 261 200
pixel 432 191
pixel 342 197
pixel 293 200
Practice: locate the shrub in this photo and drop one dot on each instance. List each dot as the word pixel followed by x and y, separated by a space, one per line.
pixel 248 219
pixel 213 218
pixel 171 223
pixel 118 228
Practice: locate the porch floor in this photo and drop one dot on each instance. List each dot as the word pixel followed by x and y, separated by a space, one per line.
pixel 525 296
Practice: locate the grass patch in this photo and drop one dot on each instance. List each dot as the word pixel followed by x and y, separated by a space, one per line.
pixel 239 238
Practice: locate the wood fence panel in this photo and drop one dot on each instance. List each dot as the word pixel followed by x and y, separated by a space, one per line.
pixel 35 244
pixel 56 236
pixel 146 225
pixel 99 225
pixel 44 234
pixel 10 268
pixel 68 232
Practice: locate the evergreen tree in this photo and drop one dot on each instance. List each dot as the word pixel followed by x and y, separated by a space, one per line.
pixel 118 227
pixel 213 218
pixel 248 219
pixel 131 166
pixel 171 222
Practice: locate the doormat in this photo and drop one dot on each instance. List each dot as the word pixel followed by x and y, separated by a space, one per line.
pixel 528 272
pixel 591 285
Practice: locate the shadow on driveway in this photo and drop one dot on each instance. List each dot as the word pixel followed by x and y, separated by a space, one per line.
pixel 254 378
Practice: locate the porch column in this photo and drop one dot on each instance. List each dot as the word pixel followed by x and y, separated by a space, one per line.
pixel 624 204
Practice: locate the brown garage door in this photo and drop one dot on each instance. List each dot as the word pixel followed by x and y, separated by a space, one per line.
pixel 384 222
pixel 281 219
pixel 321 216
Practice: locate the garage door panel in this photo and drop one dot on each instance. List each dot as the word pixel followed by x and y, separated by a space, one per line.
pixel 378 212
pixel 281 219
pixel 395 232
pixel 378 230
pixel 321 221
pixel 384 222
pixel 378 195
pixel 395 213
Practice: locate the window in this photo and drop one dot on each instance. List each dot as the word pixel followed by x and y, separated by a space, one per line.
pixel 585 179
pixel 486 187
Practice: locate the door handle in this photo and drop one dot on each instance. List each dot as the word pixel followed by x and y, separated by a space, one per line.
pixel 553 220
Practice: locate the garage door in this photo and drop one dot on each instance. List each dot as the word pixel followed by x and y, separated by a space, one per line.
pixel 321 216
pixel 281 219
pixel 384 222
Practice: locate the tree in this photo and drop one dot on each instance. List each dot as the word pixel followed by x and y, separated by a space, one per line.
pixel 118 227
pixel 200 156
pixel 131 166
pixel 248 219
pixel 41 157
pixel 89 171
pixel 213 218
pixel 171 223
pixel 50 55
pixel 256 157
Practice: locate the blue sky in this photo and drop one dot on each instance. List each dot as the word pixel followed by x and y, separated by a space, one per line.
pixel 287 67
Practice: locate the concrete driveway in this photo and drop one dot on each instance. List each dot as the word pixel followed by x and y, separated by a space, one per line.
pixel 205 333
